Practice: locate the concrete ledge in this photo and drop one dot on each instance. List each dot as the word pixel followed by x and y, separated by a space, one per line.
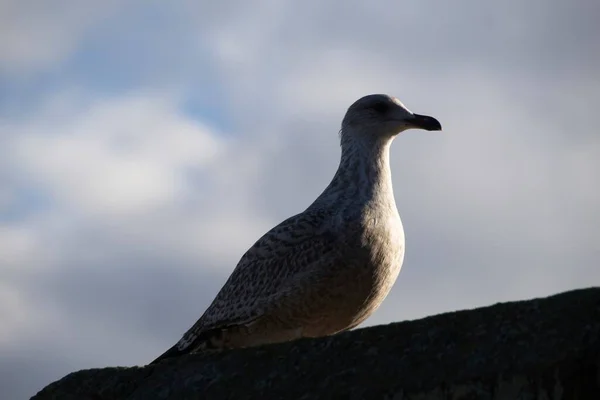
pixel 536 349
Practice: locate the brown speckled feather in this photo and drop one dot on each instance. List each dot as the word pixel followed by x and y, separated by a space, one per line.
pixel 268 267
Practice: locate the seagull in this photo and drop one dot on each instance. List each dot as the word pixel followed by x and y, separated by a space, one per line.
pixel 327 269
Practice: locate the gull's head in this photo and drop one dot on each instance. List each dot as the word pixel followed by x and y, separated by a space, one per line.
pixel 384 116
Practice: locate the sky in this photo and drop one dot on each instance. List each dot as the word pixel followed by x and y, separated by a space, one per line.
pixel 145 145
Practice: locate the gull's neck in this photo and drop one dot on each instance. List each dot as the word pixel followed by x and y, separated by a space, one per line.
pixel 363 176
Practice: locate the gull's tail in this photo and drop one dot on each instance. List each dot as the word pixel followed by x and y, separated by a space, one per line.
pixel 207 341
pixel 171 353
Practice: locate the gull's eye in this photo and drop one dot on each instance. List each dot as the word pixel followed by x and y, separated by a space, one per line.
pixel 381 107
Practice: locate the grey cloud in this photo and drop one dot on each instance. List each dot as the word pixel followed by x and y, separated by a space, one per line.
pixel 433 35
pixel 36 37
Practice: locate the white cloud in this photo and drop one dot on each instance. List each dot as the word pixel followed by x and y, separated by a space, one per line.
pixel 118 157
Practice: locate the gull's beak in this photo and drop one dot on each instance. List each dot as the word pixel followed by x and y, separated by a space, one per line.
pixel 425 122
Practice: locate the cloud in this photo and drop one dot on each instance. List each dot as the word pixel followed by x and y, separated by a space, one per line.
pixel 119 157
pixel 37 36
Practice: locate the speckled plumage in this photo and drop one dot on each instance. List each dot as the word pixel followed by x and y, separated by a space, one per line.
pixel 328 268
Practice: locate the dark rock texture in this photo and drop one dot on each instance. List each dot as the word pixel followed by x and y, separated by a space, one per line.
pixel 537 349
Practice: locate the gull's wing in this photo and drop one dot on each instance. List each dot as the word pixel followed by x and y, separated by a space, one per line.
pixel 265 270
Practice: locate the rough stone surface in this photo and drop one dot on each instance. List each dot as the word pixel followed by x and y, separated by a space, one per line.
pixel 537 349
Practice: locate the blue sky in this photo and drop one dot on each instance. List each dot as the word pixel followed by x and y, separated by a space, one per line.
pixel 144 146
